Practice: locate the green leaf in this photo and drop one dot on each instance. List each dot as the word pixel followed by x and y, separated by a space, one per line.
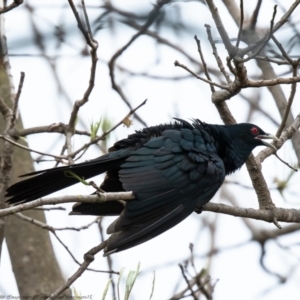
pixel 77 295
pixel 132 275
pixel 119 279
pixel 106 124
pixel 153 284
pixel 71 174
pixel 106 289
pixel 94 128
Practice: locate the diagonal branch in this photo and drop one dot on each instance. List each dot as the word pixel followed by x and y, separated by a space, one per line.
pixel 111 64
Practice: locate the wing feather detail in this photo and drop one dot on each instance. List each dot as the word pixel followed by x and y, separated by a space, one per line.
pixel 169 185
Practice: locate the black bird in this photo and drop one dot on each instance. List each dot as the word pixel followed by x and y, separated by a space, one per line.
pixel 172 169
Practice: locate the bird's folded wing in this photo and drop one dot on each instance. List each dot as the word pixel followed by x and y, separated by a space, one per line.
pixel 170 179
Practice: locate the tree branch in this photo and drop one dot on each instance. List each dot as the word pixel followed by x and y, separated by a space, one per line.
pixel 282 214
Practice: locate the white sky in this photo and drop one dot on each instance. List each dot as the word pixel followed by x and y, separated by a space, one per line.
pixel 237 271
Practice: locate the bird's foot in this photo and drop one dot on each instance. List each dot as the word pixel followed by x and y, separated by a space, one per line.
pixel 199 210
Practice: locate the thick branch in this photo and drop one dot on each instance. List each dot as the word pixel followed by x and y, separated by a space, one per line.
pixel 283 214
pixel 66 199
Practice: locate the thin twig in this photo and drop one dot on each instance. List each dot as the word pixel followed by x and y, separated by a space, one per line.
pixel 93 54
pixel 50 208
pixel 289 104
pixel 273 60
pixel 278 25
pixel 212 88
pixel 241 23
pixel 254 16
pixel 187 282
pixel 178 64
pixel 87 22
pixel 52 230
pixel 16 103
pixel 104 134
pixel 287 134
pixel 13 5
pixel 109 261
pixel 216 55
pixel 57 157
pixel 88 259
pixel 286 163
pixel 263 43
pixel 111 64
pixel 220 27
pixel 283 52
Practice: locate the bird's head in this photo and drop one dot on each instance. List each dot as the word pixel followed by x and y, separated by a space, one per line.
pixel 251 135
pixel 241 140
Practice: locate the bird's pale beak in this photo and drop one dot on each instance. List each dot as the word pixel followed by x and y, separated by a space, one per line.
pixel 268 136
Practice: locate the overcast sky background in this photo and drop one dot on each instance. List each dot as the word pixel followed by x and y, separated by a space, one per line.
pixel 237 271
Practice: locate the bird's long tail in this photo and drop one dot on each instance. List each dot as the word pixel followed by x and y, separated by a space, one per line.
pixel 51 180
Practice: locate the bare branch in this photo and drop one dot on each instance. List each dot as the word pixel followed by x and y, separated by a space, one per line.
pixel 289 104
pixel 104 134
pixel 278 25
pixel 220 27
pixel 13 5
pixel 216 55
pixel 284 162
pixel 204 63
pixel 261 45
pixel 16 103
pixel 57 157
pixel 152 16
pixel 287 134
pixel 241 23
pixel 88 259
pixel 271 82
pixel 254 16
pixel 53 128
pixel 187 282
pixel 178 64
pixel 125 196
pixel 79 103
pixel 283 214
pixel 52 230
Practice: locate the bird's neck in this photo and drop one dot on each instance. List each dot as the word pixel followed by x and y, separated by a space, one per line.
pixel 234 158
pixel 234 152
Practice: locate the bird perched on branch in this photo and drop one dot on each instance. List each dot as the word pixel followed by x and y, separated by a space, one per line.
pixel 172 170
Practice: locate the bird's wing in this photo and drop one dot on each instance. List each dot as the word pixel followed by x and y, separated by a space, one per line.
pixel 170 178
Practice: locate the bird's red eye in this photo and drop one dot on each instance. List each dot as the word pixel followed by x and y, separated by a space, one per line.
pixel 254 130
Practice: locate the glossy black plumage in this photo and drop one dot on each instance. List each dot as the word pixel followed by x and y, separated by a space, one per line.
pixel 172 169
